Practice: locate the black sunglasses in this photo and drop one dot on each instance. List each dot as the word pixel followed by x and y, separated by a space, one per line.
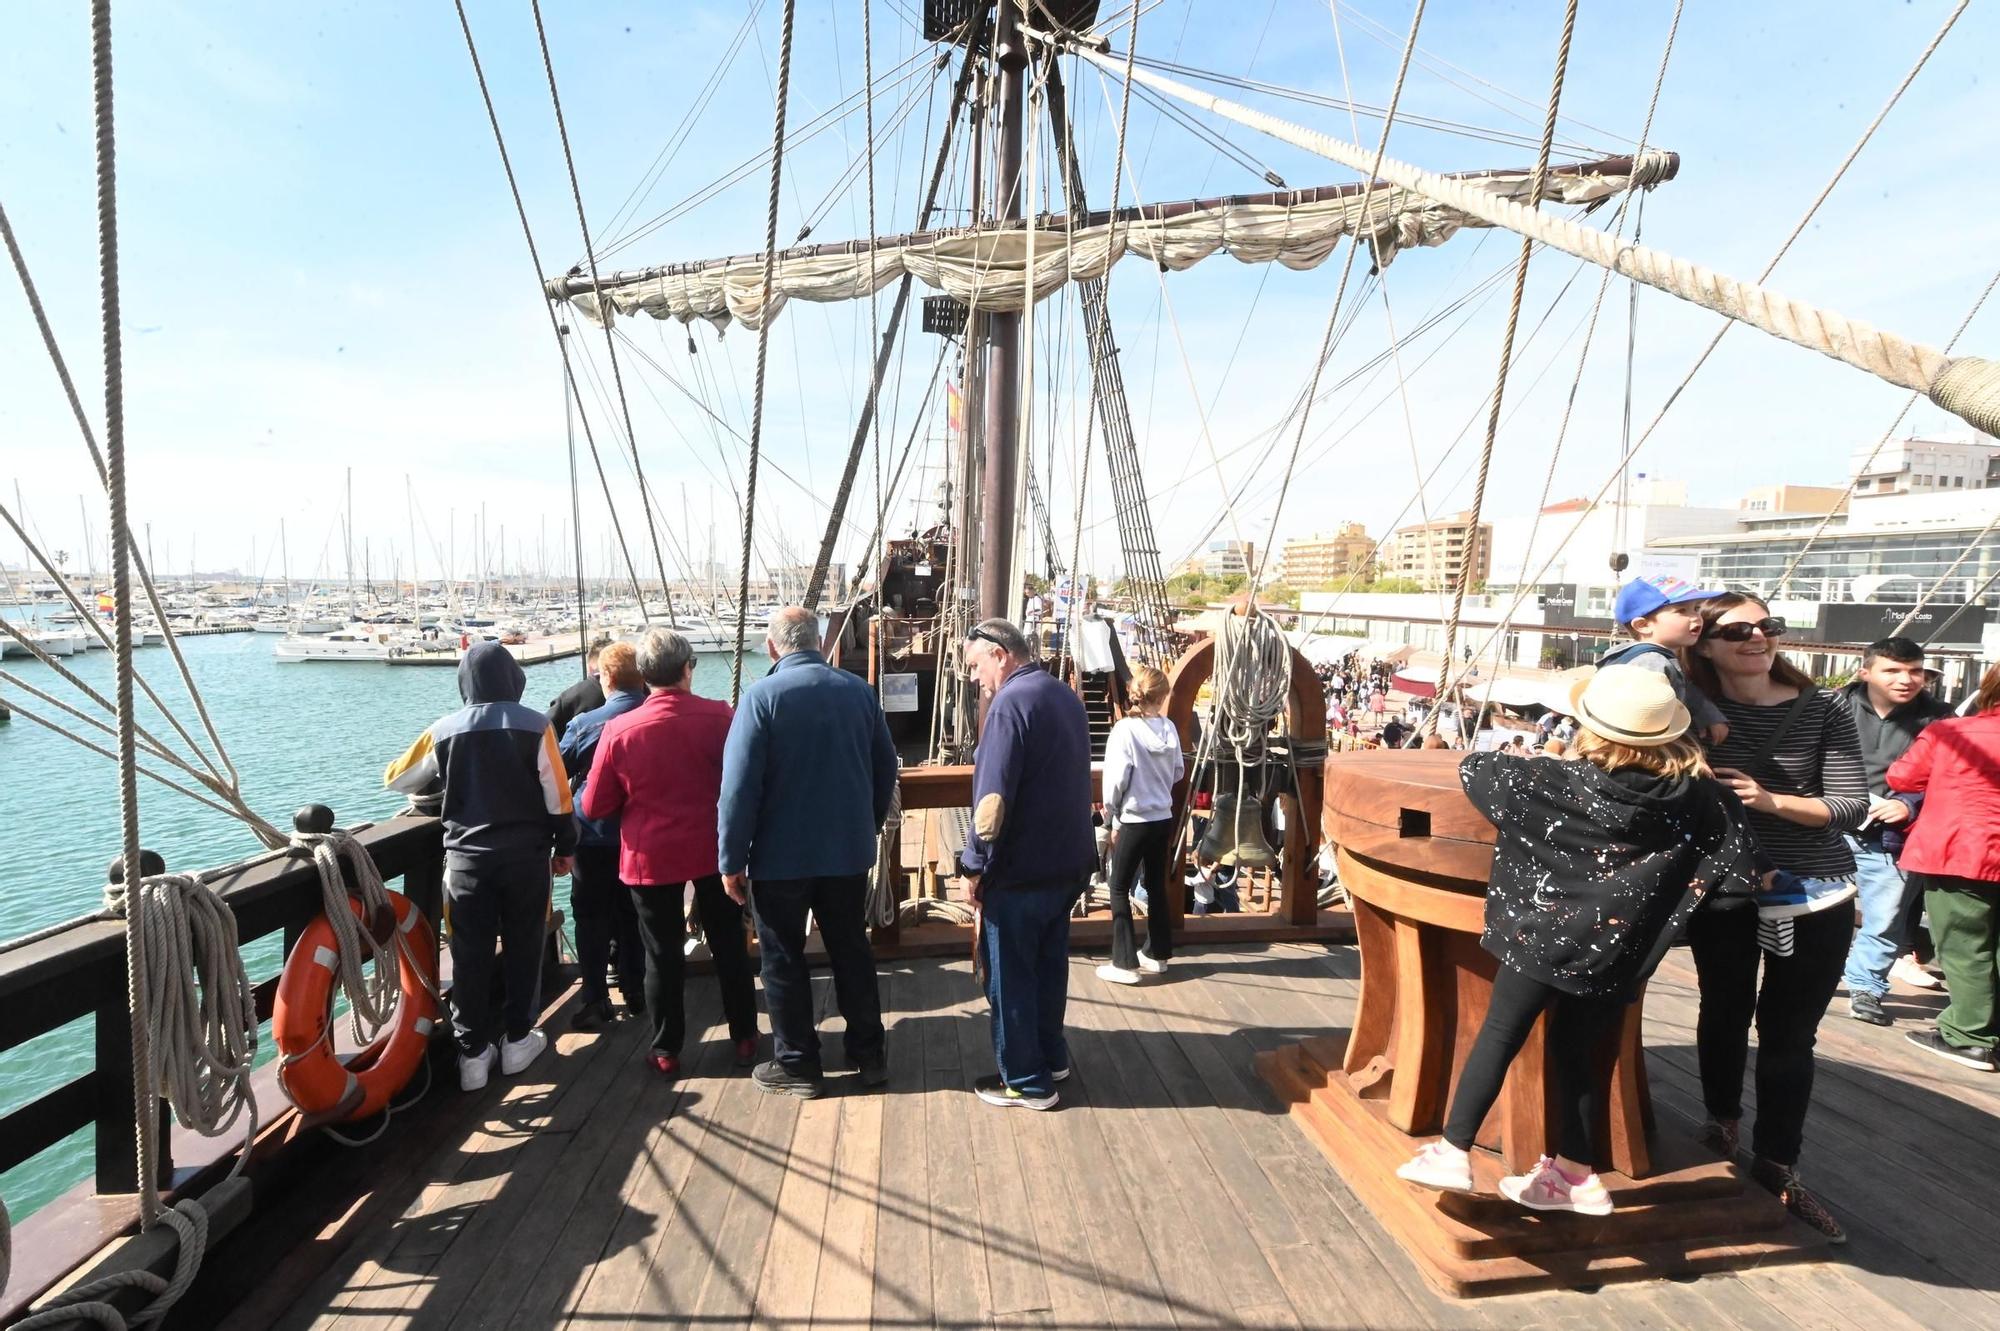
pixel 981 635
pixel 1770 627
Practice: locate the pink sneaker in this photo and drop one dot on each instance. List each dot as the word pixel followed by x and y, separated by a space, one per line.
pixel 1545 1189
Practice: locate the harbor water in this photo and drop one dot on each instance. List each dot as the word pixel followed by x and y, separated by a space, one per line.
pixel 297 733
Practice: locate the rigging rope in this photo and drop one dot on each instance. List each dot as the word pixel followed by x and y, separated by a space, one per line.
pixel 763 344
pixel 590 254
pixel 874 333
pixel 371 995
pixel 1968 386
pixel 1784 579
pixel 227 771
pixel 1253 674
pixel 1361 230
pixel 1469 559
pixel 534 257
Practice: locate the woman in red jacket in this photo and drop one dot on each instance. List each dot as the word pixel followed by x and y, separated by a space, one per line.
pixel 1953 854
pixel 658 770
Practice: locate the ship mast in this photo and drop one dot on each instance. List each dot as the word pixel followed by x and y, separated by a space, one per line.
pixel 998 493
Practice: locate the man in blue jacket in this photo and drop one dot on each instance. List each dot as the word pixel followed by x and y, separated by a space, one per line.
pixel 808 776
pixel 607 923
pixel 1030 854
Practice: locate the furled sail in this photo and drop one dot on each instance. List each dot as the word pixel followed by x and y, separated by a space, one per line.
pixel 985 268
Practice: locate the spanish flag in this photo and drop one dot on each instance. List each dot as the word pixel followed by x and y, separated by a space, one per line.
pixel 954 410
pixel 105 605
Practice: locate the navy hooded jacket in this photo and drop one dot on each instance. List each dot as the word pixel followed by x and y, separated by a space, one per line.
pixel 506 796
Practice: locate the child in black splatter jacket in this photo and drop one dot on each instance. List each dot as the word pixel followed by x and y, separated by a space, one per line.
pixel 1597 865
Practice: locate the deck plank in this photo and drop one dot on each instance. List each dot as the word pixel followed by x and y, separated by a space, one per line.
pixel 1168 1191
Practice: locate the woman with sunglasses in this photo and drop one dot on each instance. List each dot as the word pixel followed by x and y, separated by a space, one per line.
pixel 1793 757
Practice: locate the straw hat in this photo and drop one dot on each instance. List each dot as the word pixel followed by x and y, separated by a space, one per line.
pixel 1630 705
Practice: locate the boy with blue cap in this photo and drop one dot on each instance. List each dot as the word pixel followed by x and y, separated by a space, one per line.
pixel 1664 614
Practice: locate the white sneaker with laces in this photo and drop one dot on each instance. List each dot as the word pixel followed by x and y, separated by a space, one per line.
pixel 1907 971
pixel 1116 974
pixel 473 1071
pixel 1544 1188
pixel 1150 966
pixel 517 1054
pixel 1439 1165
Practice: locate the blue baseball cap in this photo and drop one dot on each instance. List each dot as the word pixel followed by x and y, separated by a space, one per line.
pixel 1642 596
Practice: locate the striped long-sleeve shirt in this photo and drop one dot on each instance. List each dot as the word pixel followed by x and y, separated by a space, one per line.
pixel 1820 756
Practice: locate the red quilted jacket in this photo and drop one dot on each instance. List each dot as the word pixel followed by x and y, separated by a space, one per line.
pixel 1955 764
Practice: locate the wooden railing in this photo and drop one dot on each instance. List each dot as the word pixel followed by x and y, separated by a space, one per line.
pixel 79 972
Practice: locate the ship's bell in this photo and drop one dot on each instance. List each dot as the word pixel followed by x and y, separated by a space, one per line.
pixel 1235 834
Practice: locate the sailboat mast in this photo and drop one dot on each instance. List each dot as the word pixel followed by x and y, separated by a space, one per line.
pixel 347 540
pixel 998 498
pixel 410 516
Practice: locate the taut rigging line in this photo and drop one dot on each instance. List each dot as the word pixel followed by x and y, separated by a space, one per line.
pixel 1968 386
pixel 610 347
pixel 534 256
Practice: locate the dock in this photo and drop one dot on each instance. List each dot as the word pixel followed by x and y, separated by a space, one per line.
pixel 1168 1190
pixel 536 651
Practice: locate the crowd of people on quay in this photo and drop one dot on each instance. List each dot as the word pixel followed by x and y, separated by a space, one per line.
pixel 1696 786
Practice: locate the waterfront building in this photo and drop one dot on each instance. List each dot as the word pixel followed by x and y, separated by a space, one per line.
pixel 1779 499
pixel 1925 464
pixel 1433 554
pixel 1309 561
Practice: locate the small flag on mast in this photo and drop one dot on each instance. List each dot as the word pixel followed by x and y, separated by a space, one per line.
pixel 954 410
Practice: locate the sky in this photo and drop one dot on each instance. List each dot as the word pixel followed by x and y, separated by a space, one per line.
pixel 322 271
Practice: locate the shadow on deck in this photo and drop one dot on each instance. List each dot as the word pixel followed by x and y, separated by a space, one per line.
pixel 1168 1191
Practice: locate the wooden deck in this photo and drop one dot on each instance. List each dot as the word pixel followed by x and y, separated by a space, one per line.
pixel 1168 1191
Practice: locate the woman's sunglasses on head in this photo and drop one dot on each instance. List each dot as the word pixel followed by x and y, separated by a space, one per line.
pixel 1771 627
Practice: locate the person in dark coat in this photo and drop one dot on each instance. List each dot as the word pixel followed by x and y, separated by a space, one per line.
pixel 1891 707
pixel 1029 858
pixel 1597 865
pixel 587 694
pixel 607 925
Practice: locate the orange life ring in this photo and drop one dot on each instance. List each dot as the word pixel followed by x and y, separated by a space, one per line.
pixel 324 1086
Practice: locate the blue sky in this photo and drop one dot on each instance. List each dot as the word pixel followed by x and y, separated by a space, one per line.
pixel 322 267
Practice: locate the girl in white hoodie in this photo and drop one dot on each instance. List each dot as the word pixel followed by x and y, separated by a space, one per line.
pixel 1142 762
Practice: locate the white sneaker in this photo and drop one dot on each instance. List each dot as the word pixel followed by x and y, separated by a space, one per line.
pixel 1150 966
pixel 1907 971
pixel 1117 974
pixel 1439 1165
pixel 1544 1188
pixel 473 1072
pixel 517 1054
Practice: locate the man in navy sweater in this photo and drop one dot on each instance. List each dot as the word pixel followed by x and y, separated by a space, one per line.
pixel 1029 857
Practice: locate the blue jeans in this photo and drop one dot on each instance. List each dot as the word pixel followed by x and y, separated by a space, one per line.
pixel 1884 901
pixel 1026 943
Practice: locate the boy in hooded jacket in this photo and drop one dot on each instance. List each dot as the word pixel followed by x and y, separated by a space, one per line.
pixel 1597 864
pixel 507 828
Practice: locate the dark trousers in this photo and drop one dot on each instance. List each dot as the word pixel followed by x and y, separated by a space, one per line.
pixel 503 903
pixel 1578 1027
pixel 605 920
pixel 663 929
pixel 1141 846
pixel 839 906
pixel 1786 1008
pixel 1025 937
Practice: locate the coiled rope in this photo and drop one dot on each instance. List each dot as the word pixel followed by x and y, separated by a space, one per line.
pixel 371 993
pixel 763 347
pixel 85 1303
pixel 1253 678
pixel 1967 386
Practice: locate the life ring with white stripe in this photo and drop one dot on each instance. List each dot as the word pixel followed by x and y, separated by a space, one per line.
pixel 326 1087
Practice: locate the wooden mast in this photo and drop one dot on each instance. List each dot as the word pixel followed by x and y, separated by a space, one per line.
pixel 998 494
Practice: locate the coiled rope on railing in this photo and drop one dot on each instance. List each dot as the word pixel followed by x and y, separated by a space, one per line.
pixel 85 1302
pixel 371 992
pixel 198 1008
pixel 1968 386
pixel 1253 678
